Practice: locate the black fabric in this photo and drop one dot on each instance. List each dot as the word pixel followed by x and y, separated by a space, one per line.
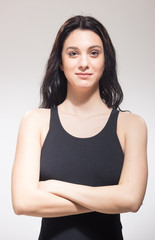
pixel 92 161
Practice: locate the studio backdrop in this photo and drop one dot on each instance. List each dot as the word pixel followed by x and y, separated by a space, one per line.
pixel 28 29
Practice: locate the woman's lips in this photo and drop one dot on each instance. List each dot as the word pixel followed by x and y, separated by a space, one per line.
pixel 83 75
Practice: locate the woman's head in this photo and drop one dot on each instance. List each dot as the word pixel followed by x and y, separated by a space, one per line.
pixel 54 87
pixel 82 60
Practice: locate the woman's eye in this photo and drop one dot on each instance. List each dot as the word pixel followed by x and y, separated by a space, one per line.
pixel 94 53
pixel 72 54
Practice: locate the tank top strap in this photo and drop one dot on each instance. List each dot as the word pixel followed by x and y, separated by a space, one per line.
pixel 112 124
pixel 53 117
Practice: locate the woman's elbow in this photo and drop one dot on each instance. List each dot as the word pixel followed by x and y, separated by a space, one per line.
pixel 134 205
pixel 22 205
pixel 18 208
pixel 18 211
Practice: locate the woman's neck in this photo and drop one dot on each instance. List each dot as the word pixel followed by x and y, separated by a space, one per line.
pixel 83 103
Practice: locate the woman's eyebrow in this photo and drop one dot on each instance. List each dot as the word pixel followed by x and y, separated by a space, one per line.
pixel 93 46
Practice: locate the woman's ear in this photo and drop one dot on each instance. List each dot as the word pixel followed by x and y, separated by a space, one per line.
pixel 61 65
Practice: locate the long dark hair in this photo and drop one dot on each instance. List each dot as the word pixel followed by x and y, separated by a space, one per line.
pixel 54 87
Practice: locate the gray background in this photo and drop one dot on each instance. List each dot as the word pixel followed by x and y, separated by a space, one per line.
pixel 28 29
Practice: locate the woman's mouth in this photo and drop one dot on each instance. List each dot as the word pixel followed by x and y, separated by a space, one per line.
pixel 83 75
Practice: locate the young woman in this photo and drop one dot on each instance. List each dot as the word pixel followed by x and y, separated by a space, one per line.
pixel 80 161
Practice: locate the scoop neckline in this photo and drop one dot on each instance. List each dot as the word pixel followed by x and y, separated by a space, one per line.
pixel 85 138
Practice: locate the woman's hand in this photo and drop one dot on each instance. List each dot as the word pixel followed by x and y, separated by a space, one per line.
pixel 52 186
pixel 62 188
pixel 45 185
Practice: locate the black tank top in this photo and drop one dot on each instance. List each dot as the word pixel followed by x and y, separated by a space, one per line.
pixel 92 161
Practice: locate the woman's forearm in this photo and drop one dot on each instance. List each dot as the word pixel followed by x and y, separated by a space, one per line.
pixel 42 204
pixel 109 199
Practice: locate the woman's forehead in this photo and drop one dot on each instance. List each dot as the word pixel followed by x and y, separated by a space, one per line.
pixel 82 38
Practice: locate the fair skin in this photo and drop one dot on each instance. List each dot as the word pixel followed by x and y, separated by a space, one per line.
pixel 83 108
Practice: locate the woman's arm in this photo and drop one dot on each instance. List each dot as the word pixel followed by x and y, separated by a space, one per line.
pixel 128 195
pixel 27 198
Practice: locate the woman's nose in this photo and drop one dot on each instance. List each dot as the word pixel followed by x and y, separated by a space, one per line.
pixel 83 62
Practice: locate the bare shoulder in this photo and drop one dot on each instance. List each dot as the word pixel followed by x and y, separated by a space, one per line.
pixel 36 117
pixel 37 112
pixel 132 122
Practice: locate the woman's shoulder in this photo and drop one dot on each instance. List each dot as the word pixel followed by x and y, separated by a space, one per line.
pixel 36 112
pixel 132 121
pixel 36 117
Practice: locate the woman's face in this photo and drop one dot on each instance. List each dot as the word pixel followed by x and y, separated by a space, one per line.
pixel 83 58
